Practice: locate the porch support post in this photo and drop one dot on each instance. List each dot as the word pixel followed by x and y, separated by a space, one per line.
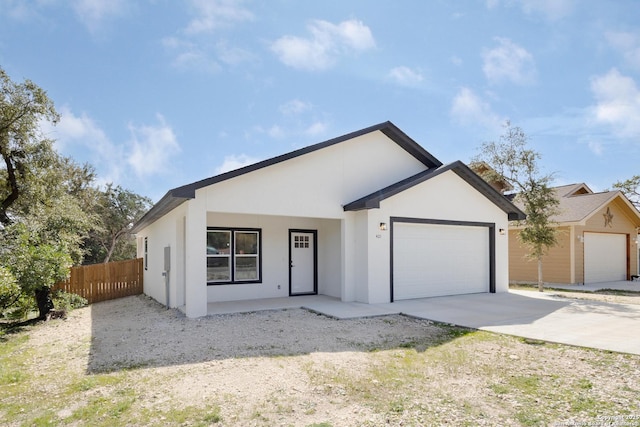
pixel 348 285
pixel 195 259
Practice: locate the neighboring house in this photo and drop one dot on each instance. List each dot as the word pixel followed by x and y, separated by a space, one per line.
pixel 370 216
pixel 597 240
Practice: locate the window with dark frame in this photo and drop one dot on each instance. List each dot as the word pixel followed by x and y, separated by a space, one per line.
pixel 233 256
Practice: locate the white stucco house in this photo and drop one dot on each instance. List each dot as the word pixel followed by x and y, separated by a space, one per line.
pixel 370 216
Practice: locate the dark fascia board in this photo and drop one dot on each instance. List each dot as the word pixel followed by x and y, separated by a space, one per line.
pixel 178 195
pixel 372 201
pixel 388 128
pixel 168 203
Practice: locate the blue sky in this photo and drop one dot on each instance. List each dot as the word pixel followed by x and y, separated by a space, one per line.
pixel 160 93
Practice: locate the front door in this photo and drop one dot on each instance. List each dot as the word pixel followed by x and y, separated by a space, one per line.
pixel 303 262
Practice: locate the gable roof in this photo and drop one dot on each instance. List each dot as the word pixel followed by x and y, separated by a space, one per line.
pixel 578 203
pixel 176 196
pixel 373 200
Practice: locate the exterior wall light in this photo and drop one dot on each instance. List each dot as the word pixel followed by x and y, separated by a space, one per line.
pixel 383 226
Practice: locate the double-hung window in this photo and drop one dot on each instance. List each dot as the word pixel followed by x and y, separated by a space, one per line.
pixel 233 256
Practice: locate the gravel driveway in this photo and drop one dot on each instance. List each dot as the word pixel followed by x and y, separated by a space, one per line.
pixel 132 362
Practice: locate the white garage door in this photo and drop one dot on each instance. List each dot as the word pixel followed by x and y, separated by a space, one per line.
pixel 436 260
pixel 605 257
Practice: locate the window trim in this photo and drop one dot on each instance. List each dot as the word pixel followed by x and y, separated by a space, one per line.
pixel 232 256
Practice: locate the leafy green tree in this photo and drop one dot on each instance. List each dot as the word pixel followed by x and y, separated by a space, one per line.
pixel 510 159
pixel 631 189
pixel 118 210
pixel 46 201
pixel 22 107
pixel 10 292
pixel 35 264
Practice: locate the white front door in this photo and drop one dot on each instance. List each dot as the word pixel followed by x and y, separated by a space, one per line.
pixel 302 262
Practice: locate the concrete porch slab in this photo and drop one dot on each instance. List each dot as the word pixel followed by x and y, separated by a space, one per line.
pixel 328 306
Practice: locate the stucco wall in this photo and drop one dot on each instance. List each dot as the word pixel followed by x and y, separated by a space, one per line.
pixel 446 197
pixel 160 234
pixel 275 256
pixel 317 184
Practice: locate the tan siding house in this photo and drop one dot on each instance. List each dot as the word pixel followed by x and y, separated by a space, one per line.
pixel 597 240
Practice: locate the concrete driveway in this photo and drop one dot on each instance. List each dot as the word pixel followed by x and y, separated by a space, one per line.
pixel 531 314
pixel 528 314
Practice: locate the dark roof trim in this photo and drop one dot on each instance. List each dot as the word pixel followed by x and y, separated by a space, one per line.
pixel 178 195
pixel 372 201
pixel 388 128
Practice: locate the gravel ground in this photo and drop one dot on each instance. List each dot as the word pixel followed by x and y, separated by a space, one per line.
pixel 294 367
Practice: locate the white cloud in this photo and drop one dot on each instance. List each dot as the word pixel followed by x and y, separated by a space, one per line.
pixel 551 9
pixel 193 50
pixel 232 55
pixel 234 162
pixel 468 109
pixel 152 148
pixel 405 76
pixel 294 107
pixel 316 129
pixel 93 13
pixel 596 148
pixel 188 56
pixel 90 13
pixel 618 103
pixel 508 61
pixel 73 130
pixel 276 132
pixel 214 14
pixel 492 3
pixel 326 43
pixel 628 44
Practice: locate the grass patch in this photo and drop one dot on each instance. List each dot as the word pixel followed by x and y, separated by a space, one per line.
pixel 435 379
pixel 105 410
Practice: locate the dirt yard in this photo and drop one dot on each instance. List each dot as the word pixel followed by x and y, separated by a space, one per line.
pixel 132 362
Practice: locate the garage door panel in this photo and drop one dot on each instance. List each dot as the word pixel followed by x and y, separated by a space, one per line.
pixel 435 260
pixel 605 257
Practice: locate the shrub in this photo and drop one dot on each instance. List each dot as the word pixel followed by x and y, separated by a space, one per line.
pixel 66 301
pixel 9 289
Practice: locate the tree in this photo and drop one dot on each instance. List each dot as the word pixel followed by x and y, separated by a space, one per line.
pixel 22 107
pixel 510 159
pixel 10 292
pixel 631 189
pixel 36 265
pixel 46 200
pixel 118 209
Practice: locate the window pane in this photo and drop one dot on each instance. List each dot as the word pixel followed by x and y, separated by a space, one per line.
pixel 218 242
pixel 218 269
pixel 246 268
pixel 246 242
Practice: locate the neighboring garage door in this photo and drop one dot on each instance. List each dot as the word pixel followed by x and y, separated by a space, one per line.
pixel 440 259
pixel 605 257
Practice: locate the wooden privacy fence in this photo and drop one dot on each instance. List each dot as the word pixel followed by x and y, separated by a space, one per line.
pixel 102 282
